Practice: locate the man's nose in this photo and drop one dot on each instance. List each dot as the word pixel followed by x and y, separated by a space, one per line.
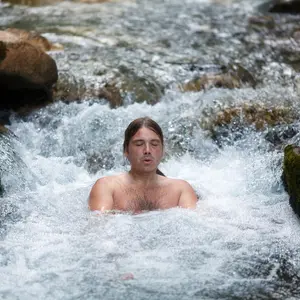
pixel 147 148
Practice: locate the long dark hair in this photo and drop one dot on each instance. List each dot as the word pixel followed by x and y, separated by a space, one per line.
pixel 133 128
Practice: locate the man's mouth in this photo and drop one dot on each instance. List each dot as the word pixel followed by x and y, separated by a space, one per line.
pixel 147 159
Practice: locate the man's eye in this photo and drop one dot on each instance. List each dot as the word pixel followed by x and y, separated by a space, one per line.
pixel 155 144
pixel 139 144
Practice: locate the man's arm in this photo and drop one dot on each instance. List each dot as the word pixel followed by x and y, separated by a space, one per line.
pixel 101 196
pixel 188 197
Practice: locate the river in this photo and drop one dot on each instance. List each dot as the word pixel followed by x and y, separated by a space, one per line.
pixel 240 243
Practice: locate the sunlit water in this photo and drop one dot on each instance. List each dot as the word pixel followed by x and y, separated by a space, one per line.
pixel 240 243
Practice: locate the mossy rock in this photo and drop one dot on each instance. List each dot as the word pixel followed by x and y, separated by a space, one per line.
pixel 251 114
pixel 230 124
pixel 291 175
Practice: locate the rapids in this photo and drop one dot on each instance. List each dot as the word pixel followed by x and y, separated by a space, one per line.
pixel 240 243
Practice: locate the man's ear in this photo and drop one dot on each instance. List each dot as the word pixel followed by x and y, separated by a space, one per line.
pixel 126 153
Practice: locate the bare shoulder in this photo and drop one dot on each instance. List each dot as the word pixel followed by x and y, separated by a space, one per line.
pixel 177 183
pixel 109 181
pixel 101 194
pixel 188 197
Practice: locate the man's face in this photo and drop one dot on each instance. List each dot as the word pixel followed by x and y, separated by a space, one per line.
pixel 145 150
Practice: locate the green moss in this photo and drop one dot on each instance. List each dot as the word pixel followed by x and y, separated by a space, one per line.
pixel 291 175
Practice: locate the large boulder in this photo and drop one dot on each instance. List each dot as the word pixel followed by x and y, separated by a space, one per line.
pixel 27 75
pixel 291 175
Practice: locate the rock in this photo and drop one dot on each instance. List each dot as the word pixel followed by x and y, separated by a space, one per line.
pixel 33 2
pixel 123 88
pixel 29 62
pixel 27 75
pixel 285 6
pixel 291 175
pixel 296 34
pixel 69 88
pixel 254 114
pixel 14 35
pixel 234 76
pixel 100 160
pixel 111 93
pixel 230 124
pixel 291 57
pixel 3 130
pixel 34 38
pixel 135 88
pixel 259 22
pixel 14 174
pixel 281 134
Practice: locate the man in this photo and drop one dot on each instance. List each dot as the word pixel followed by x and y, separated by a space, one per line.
pixel 144 187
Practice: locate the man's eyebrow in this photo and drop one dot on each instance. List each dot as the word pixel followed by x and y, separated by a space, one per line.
pixel 142 140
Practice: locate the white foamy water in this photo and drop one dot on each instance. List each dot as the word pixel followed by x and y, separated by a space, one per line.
pixel 236 242
pixel 240 243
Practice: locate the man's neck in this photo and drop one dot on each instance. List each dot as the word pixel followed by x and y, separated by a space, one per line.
pixel 142 178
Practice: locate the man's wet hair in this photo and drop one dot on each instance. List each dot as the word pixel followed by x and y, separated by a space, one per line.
pixel 134 127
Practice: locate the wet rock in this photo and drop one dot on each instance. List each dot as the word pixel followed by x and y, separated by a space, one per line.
pixel 280 134
pixel 135 88
pixel 26 76
pixel 14 35
pixel 101 160
pixel 94 1
pixel 3 130
pixel 254 114
pixel 291 175
pixel 15 176
pixel 259 22
pixel 231 124
pixel 122 88
pixel 111 93
pixel 69 88
pixel 234 76
pixel 33 2
pixel 285 6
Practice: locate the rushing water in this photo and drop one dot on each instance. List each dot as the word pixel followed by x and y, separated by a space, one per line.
pixel 240 243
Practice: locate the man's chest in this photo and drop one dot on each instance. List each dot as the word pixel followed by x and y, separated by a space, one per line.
pixel 136 199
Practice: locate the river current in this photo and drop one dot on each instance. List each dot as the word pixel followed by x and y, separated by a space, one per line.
pixel 240 243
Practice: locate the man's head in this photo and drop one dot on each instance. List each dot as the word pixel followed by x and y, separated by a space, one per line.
pixel 143 144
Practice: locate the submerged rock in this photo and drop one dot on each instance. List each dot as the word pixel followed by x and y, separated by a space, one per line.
pixel 259 22
pixel 99 160
pixel 291 175
pixel 233 76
